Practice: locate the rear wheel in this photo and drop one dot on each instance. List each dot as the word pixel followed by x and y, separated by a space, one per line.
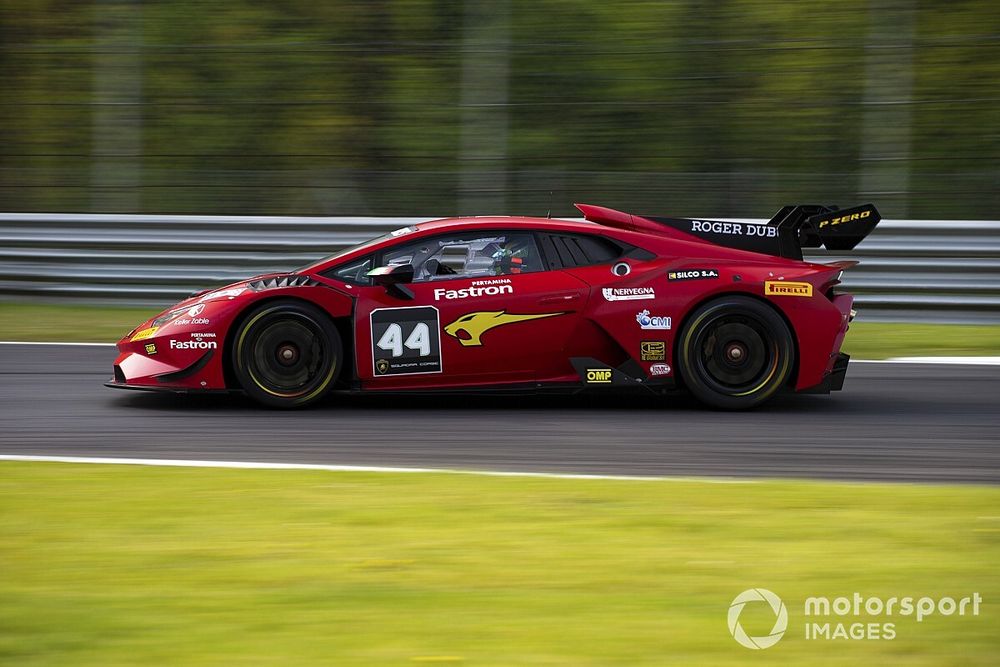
pixel 287 354
pixel 735 353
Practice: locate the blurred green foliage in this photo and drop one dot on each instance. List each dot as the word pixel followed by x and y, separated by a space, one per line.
pixel 372 107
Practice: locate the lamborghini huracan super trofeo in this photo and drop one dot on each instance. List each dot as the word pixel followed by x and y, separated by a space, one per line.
pixel 728 311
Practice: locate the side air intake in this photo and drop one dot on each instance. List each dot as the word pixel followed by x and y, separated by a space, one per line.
pixel 275 282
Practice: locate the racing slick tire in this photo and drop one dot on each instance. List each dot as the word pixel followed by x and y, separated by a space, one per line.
pixel 286 354
pixel 735 352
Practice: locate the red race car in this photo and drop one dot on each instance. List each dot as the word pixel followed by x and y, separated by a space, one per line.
pixel 727 310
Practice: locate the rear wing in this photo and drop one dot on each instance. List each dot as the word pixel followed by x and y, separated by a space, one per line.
pixel 785 234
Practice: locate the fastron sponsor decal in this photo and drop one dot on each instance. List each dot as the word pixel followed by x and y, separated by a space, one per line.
pixel 628 293
pixel 193 344
pixel 472 292
pixel 783 288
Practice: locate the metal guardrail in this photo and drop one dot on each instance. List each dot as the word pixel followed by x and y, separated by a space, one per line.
pixel 921 270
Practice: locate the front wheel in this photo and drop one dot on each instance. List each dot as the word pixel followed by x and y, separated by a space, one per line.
pixel 735 353
pixel 286 354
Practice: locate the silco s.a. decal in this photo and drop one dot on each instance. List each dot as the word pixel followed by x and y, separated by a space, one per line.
pixel 469 328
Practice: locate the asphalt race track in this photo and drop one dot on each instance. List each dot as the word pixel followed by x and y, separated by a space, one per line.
pixel 903 422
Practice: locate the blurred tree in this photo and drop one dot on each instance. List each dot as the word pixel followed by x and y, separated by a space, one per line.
pixel 432 107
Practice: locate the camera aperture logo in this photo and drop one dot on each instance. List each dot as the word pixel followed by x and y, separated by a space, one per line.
pixel 780 620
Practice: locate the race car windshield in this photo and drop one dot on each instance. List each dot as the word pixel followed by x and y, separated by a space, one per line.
pixel 361 246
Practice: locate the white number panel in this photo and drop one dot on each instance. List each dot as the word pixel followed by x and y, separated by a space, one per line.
pixel 406 341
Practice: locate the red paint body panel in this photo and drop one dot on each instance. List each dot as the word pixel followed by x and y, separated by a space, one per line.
pixel 563 313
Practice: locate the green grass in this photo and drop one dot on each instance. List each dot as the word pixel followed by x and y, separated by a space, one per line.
pixel 107 565
pixel 66 323
pixel 875 340
pixel 865 340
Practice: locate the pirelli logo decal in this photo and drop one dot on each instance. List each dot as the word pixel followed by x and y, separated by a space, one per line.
pixel 785 288
pixel 144 334
pixel 844 218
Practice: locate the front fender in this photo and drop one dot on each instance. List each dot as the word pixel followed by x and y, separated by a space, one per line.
pixel 185 348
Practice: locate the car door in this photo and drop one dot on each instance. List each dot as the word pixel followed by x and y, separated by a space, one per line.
pixel 484 312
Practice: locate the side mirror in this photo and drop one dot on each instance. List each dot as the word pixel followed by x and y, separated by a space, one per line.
pixel 393 279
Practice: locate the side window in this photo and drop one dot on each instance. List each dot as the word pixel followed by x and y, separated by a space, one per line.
pixel 470 255
pixel 570 250
pixel 354 272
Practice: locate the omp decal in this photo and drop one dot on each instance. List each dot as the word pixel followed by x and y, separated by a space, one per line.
pixel 474 325
pixel 144 334
pixel 599 376
pixel 846 218
pixel 406 341
pixel 783 288
pixel 652 350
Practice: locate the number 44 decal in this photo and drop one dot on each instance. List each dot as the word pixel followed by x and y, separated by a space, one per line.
pixel 406 341
pixel 419 340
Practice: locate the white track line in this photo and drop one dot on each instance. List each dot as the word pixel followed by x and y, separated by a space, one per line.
pixel 967 361
pixel 36 342
pixel 253 465
pixel 950 361
pixel 955 361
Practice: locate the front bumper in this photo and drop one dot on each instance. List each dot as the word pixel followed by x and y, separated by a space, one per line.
pixel 167 390
pixel 134 370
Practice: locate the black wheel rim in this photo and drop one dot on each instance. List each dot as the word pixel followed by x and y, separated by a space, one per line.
pixel 736 355
pixel 289 355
